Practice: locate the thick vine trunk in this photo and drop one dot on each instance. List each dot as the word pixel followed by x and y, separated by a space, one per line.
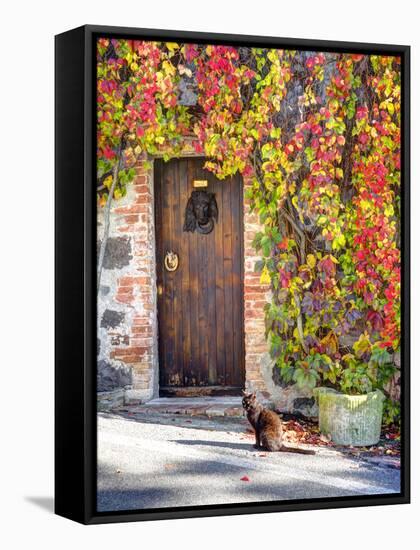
pixel 299 323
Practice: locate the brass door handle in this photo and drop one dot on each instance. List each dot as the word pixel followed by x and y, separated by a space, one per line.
pixel 171 261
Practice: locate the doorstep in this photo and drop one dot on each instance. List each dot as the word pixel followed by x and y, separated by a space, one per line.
pixel 230 406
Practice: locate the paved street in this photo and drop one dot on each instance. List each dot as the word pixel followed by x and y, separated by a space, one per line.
pixel 151 461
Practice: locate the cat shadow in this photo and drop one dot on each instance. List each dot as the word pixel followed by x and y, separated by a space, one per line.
pixel 227 445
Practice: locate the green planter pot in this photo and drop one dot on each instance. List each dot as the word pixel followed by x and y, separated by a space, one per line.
pixel 350 419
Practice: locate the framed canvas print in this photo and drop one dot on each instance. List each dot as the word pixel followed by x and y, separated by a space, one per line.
pixel 232 274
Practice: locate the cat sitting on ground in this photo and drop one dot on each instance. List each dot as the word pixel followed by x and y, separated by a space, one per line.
pixel 267 426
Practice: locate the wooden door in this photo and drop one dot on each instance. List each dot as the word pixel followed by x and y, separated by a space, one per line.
pixel 200 303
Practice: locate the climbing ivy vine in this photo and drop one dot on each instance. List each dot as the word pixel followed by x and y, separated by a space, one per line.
pixel 318 137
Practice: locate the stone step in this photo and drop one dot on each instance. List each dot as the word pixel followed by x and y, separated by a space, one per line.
pixel 191 406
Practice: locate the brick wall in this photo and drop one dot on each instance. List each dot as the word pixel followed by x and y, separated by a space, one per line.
pixel 256 296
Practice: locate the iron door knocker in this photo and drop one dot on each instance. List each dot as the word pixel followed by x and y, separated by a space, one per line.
pixel 171 261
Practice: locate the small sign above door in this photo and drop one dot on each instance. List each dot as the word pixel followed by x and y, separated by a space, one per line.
pixel 200 183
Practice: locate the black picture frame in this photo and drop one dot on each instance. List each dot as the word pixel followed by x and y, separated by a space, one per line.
pixel 75 267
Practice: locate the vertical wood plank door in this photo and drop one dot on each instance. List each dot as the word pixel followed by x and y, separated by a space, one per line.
pixel 200 304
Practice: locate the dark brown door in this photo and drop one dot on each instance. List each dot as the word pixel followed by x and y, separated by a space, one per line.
pixel 200 303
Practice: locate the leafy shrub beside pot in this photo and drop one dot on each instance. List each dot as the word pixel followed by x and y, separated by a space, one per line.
pixel 351 393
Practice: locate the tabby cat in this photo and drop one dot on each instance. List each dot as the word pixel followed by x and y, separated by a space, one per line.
pixel 267 426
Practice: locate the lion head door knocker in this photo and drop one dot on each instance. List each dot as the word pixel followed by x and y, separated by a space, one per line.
pixel 171 261
pixel 200 213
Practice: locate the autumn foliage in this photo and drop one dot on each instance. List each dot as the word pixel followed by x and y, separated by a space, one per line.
pixel 318 135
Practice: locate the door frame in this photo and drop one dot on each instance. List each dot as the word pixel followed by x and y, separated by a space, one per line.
pixel 199 391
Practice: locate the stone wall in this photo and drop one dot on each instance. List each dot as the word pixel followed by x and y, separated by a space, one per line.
pixel 127 316
pixel 127 309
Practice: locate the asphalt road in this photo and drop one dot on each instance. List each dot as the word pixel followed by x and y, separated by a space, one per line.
pixel 171 461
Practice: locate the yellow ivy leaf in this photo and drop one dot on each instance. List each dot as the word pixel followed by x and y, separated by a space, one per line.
pixel 330 342
pixel 172 46
pixel 168 67
pixel 108 182
pixel 339 242
pixel 389 210
pixel 265 276
pixel 311 260
pixel 362 345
